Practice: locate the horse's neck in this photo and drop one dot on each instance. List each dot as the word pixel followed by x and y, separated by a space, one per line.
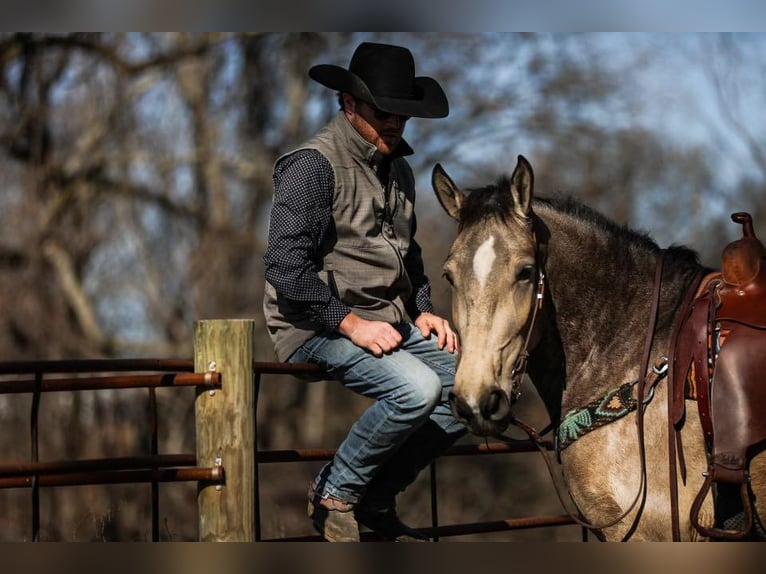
pixel 602 301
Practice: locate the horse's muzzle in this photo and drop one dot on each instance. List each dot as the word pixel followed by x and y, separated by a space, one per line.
pixel 491 415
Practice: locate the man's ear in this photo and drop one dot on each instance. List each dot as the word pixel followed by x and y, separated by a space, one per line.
pixel 349 103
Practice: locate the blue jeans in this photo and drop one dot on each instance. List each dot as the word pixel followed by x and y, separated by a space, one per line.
pixel 408 425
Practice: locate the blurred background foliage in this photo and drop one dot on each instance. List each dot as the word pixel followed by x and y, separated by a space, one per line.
pixel 135 187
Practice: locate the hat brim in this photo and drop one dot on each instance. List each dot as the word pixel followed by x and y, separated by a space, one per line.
pixel 431 103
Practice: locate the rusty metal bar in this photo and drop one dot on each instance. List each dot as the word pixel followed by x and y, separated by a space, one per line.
pixel 503 525
pixel 95 365
pixel 317 454
pixel 35 457
pixel 295 455
pixel 463 529
pixel 256 460
pixel 270 368
pixel 95 464
pixel 113 382
pixel 516 446
pixel 154 440
pixel 214 475
pixel 434 498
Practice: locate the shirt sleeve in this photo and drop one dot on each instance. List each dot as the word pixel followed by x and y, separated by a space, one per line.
pixel 304 186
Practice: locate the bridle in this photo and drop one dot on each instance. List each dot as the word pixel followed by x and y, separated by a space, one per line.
pixel 520 365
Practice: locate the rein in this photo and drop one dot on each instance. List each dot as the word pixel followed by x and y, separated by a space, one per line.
pixel 657 374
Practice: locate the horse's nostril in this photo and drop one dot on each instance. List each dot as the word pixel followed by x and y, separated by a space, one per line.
pixel 460 408
pixel 495 406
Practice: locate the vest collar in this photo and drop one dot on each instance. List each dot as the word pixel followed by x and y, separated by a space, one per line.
pixel 360 147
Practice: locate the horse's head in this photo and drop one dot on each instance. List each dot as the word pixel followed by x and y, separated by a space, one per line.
pixel 492 268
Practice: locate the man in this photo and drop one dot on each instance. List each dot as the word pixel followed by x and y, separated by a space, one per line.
pixel 346 289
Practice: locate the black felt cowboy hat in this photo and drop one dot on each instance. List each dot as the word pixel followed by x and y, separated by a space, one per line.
pixel 384 76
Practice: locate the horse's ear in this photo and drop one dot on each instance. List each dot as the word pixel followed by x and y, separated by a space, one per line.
pixel 449 195
pixel 522 187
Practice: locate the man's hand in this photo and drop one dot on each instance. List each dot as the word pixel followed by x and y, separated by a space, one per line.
pixel 429 323
pixel 378 337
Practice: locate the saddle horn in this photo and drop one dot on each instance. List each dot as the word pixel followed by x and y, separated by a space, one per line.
pixel 747 223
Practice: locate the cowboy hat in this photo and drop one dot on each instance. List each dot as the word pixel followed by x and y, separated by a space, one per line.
pixel 384 76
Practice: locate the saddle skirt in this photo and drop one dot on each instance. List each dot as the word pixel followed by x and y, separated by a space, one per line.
pixel 718 357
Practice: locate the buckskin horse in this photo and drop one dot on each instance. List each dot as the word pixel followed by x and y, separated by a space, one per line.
pixel 651 366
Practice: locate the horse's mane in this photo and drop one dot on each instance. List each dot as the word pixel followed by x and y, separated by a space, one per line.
pixel 487 202
pixel 595 219
pixel 495 201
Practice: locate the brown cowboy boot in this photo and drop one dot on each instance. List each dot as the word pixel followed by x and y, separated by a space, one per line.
pixel 332 518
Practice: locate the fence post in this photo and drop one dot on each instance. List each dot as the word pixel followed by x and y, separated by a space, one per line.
pixel 226 429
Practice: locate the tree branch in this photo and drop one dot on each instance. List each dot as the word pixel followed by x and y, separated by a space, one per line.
pixel 73 291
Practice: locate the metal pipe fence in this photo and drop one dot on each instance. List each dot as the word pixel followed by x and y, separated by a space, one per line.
pixel 155 468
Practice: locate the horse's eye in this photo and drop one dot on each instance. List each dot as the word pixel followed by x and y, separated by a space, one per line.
pixel 526 274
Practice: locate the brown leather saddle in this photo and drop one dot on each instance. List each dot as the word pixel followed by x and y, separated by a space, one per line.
pixel 718 357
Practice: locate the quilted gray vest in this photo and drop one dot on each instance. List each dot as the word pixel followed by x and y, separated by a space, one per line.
pixel 361 260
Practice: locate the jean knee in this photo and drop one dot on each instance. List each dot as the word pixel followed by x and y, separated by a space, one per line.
pixel 424 392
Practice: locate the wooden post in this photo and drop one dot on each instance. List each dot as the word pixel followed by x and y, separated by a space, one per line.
pixel 226 429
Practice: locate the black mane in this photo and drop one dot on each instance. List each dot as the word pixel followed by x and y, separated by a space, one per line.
pixel 487 202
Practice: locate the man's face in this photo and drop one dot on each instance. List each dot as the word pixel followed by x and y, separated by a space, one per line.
pixel 381 129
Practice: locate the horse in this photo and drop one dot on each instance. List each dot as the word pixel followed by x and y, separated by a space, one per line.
pixel 551 291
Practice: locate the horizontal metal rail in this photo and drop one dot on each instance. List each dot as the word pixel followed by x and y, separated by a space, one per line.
pixel 305 455
pixel 210 379
pixel 271 368
pixel 95 365
pixel 463 529
pixel 118 463
pixel 213 475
